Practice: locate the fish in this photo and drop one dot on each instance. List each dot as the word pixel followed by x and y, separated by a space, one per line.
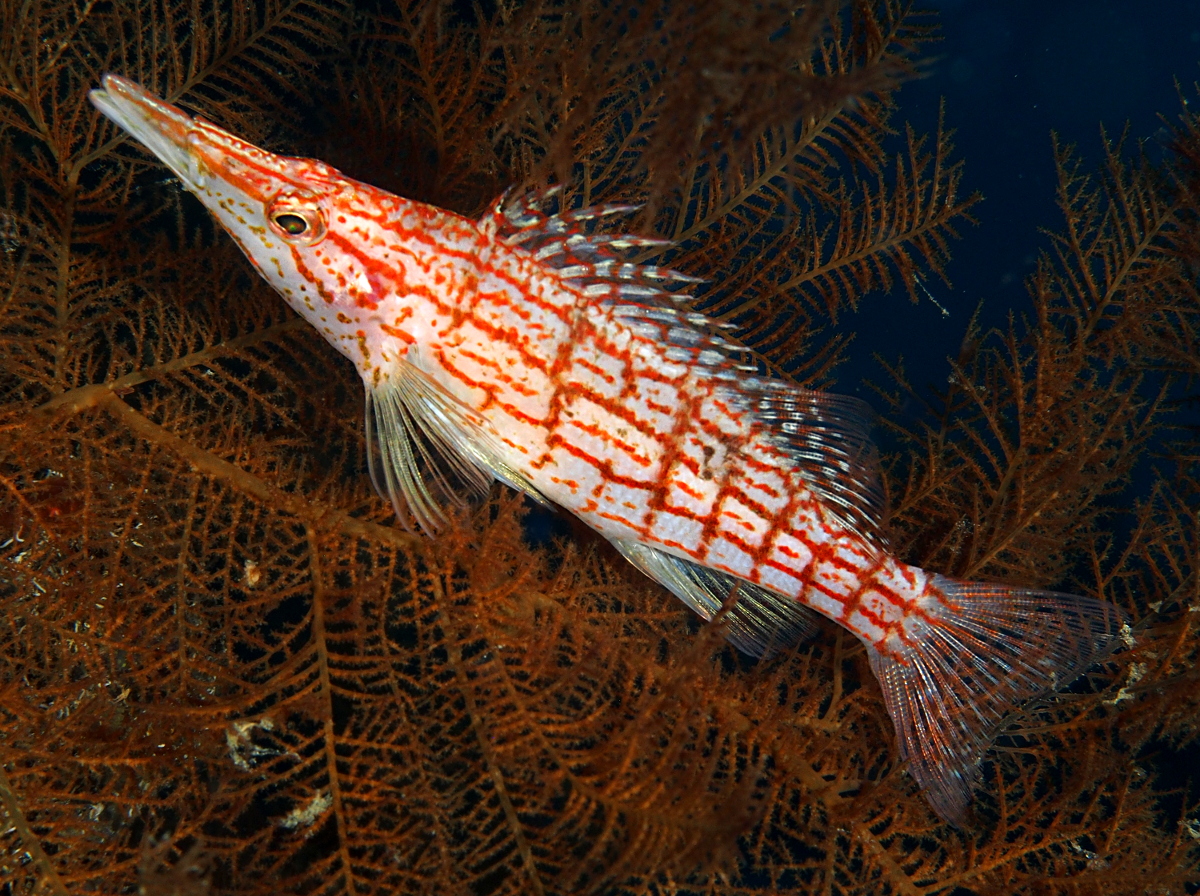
pixel 530 347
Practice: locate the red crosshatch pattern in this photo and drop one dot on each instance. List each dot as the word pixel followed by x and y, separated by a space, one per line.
pixel 523 347
pixel 595 413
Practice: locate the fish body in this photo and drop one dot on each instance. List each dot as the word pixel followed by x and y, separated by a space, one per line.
pixel 524 347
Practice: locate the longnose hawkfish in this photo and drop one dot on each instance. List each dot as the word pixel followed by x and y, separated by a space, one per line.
pixel 528 347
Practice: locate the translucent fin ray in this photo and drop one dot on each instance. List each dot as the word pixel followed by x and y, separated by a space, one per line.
pixel 829 437
pixel 760 622
pixel 426 450
pixel 826 435
pixel 984 652
pixel 595 262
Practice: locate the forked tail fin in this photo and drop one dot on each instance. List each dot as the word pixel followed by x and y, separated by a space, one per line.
pixel 985 650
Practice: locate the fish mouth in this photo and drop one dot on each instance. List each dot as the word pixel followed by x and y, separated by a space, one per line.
pixel 162 128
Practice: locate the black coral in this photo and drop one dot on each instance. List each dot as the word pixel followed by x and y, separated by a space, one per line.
pixel 222 665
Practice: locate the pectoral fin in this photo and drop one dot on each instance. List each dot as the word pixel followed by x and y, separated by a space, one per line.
pixel 426 450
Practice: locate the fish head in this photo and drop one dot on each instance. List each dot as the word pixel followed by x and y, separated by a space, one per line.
pixel 311 232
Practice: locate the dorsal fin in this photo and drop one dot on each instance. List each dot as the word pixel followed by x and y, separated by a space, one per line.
pixel 827 435
pixel 759 622
pixel 566 242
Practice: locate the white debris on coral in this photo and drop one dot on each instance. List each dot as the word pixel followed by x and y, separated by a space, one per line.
pixel 243 751
pixel 308 815
pixel 1136 672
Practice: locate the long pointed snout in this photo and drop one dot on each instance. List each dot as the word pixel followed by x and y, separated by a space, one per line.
pixel 211 162
pixel 162 128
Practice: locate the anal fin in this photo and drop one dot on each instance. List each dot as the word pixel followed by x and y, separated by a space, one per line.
pixel 759 623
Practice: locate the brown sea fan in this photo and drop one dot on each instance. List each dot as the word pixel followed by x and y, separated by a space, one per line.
pixel 222 665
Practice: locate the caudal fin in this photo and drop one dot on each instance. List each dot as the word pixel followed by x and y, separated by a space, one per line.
pixel 986 650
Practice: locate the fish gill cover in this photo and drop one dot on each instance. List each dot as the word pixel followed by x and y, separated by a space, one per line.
pixel 223 667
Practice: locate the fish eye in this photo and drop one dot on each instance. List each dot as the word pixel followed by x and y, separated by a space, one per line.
pixel 297 218
pixel 292 224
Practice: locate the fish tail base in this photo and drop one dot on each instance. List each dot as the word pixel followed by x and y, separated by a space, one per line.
pixel 985 650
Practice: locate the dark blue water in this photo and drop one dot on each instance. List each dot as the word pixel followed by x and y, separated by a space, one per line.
pixel 1011 72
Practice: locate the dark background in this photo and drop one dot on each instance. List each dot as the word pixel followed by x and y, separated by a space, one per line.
pixel 1011 72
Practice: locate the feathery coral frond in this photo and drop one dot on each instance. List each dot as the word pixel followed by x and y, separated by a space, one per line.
pixel 221 665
